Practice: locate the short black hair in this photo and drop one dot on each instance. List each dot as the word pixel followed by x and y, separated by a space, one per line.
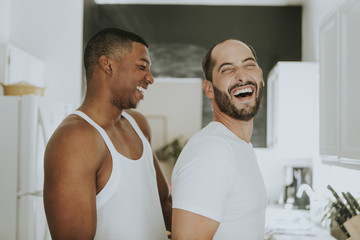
pixel 110 42
pixel 208 63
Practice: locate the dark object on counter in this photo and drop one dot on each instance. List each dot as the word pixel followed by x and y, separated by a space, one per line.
pixel 353 200
pixel 351 205
pixel 343 213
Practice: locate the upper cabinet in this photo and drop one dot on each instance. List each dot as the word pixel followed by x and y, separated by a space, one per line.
pixel 339 85
pixel 329 85
pixel 292 108
pixel 18 66
pixel 350 82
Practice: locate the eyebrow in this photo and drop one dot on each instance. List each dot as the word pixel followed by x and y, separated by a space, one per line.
pixel 145 60
pixel 224 64
pixel 249 59
pixel 228 63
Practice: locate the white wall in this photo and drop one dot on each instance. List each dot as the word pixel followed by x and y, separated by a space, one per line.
pixel 4 20
pixel 51 31
pixel 173 108
pixel 177 103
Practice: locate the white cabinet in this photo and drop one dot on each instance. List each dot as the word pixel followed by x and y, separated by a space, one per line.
pixel 292 109
pixel 17 66
pixel 329 86
pixel 350 82
pixel 340 84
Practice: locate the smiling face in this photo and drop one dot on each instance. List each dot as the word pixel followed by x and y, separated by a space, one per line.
pixel 237 80
pixel 131 77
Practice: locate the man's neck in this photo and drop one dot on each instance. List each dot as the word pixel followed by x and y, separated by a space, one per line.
pixel 101 110
pixel 242 129
pixel 97 102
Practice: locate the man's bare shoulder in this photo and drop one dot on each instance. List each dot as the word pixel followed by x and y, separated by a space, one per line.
pixel 138 116
pixel 75 139
pixel 73 129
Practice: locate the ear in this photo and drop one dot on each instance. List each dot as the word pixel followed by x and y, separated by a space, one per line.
pixel 262 77
pixel 208 89
pixel 105 64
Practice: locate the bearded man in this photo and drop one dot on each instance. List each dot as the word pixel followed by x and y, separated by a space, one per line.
pixel 218 190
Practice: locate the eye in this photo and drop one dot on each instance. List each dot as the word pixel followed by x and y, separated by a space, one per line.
pixel 142 67
pixel 250 64
pixel 227 70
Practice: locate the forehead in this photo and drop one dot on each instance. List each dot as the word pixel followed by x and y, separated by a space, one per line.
pixel 139 52
pixel 230 51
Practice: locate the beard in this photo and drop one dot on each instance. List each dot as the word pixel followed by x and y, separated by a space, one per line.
pixel 225 104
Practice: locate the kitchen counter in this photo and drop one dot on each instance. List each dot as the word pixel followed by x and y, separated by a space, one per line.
pixel 292 237
pixel 293 224
pixel 320 235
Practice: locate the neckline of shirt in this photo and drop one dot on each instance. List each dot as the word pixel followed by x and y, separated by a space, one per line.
pixel 229 132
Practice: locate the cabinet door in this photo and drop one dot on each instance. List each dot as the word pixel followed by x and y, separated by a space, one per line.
pixel 329 86
pixel 272 109
pixel 297 107
pixel 349 146
pixel 293 109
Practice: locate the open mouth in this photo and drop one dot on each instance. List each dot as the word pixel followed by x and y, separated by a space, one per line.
pixel 141 89
pixel 243 92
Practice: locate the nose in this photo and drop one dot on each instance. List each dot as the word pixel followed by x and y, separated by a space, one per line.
pixel 149 77
pixel 240 75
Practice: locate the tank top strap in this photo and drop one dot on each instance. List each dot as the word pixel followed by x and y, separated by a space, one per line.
pixel 134 125
pixel 99 129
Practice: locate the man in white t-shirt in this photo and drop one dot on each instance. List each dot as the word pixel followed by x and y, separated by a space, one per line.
pixel 218 190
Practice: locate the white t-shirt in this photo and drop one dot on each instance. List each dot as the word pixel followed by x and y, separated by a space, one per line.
pixel 217 176
pixel 128 207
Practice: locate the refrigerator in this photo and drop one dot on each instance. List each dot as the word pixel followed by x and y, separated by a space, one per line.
pixel 26 124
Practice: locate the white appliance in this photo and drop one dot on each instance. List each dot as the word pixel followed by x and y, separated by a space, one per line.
pixel 26 124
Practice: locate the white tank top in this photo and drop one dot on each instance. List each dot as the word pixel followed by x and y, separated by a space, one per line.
pixel 128 207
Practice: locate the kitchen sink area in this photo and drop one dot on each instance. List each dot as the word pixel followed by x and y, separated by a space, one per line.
pixel 284 223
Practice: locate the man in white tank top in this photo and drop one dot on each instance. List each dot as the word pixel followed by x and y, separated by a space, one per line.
pixel 218 190
pixel 102 180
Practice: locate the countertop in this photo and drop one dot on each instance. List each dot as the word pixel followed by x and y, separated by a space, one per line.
pixel 293 224
pixel 320 235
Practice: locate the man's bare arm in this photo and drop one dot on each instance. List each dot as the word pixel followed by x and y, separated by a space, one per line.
pixel 164 194
pixel 70 183
pixel 188 226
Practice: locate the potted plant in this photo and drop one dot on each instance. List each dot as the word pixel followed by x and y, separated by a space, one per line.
pixel 170 151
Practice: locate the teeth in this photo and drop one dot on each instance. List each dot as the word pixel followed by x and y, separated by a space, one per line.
pixel 245 90
pixel 142 90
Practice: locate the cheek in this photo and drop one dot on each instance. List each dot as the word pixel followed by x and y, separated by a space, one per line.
pixel 223 81
pixel 259 78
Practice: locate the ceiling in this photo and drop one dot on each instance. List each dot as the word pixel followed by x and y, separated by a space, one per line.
pixel 206 2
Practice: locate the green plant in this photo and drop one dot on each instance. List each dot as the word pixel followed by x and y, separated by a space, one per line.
pixel 170 151
pixel 330 213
